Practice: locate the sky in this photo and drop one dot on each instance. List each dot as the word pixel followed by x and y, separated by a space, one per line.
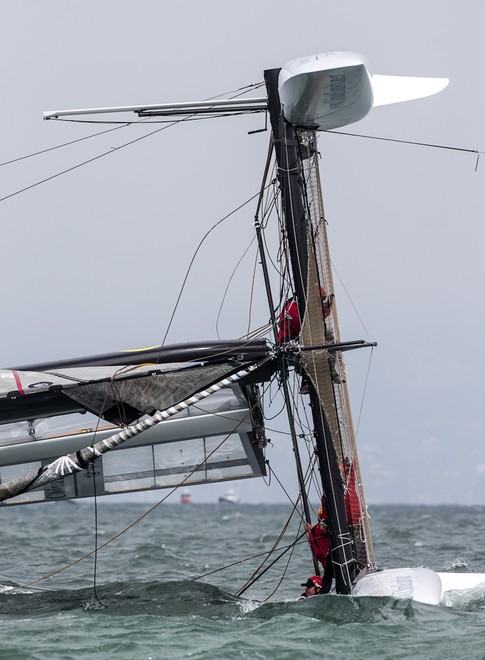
pixel 93 259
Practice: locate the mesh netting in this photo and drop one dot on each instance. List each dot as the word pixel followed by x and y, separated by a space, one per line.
pixel 123 400
pixel 323 367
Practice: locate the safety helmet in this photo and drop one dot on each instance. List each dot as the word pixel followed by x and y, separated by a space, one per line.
pixel 313 581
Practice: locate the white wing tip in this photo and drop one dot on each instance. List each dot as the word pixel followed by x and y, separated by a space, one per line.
pixel 396 89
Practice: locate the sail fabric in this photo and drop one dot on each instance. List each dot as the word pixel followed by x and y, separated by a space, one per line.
pixel 125 399
pixel 117 394
pixel 324 369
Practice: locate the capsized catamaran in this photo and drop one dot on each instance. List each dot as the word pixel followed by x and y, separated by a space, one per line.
pixel 188 414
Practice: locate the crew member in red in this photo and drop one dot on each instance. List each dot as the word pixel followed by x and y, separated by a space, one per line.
pixel 319 539
pixel 313 587
pixel 289 323
pixel 327 304
pixel 289 327
pixel 352 503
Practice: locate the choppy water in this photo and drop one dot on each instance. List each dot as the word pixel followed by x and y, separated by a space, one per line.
pixel 152 607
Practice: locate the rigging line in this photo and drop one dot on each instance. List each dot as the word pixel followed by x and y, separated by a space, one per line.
pixel 246 587
pixel 291 221
pixel 191 117
pixel 64 144
pixel 419 144
pixel 242 91
pixel 229 284
pixel 256 574
pixel 253 284
pixel 351 301
pixel 86 162
pixel 285 570
pixel 258 333
pixel 95 568
pixel 307 477
pixel 258 233
pixel 263 234
pixel 124 124
pixel 106 153
pixel 242 561
pixel 137 520
pixel 364 392
pixel 177 302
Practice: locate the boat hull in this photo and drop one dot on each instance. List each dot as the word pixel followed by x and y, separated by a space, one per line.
pixel 325 91
pixel 420 584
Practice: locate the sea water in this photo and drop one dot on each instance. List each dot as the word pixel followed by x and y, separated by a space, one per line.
pixel 142 594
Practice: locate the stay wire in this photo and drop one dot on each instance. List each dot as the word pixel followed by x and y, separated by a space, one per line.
pixel 308 476
pixel 95 493
pixel 285 570
pixel 242 561
pixel 112 150
pixel 226 290
pixel 364 391
pixel 64 144
pixel 192 261
pixel 258 573
pixel 86 162
pixel 418 144
pixel 351 301
pixel 95 568
pixel 137 520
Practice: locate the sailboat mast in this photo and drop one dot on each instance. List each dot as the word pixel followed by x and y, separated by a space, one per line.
pixel 293 200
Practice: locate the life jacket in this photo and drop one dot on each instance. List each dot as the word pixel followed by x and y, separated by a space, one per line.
pixel 289 322
pixel 319 540
pixel 352 503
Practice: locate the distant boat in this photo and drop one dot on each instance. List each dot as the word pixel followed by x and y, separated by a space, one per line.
pixel 230 496
pixel 186 497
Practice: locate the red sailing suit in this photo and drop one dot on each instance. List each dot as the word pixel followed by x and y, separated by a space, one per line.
pixel 289 323
pixel 319 537
pixel 319 540
pixel 352 503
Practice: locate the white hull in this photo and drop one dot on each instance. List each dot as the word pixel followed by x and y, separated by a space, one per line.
pixel 326 91
pixel 330 90
pixel 420 584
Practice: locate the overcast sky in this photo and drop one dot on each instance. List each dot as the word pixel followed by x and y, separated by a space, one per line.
pixel 92 261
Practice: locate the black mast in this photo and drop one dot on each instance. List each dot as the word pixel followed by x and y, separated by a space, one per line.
pixel 292 191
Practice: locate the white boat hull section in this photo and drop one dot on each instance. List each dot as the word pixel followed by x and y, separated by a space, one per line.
pixel 395 89
pixel 462 581
pixel 420 584
pixel 325 91
pixel 330 90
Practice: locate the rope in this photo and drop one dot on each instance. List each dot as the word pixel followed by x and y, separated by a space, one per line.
pixel 418 144
pixel 242 561
pixel 64 144
pixel 177 302
pixel 135 522
pixel 258 573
